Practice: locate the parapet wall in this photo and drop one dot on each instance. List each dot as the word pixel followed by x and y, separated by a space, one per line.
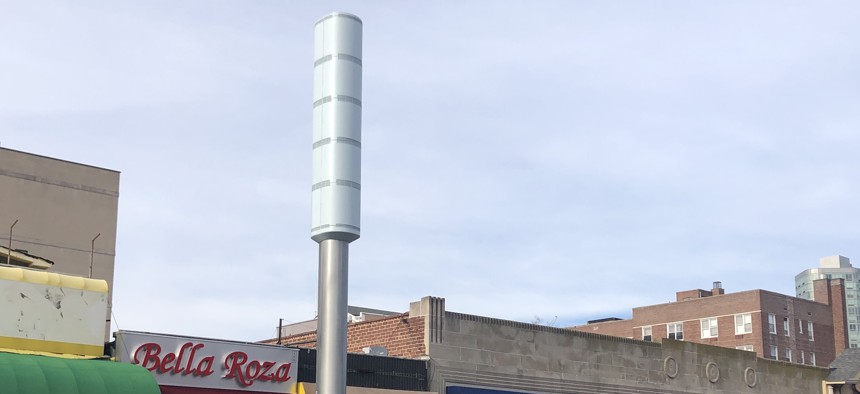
pixel 505 355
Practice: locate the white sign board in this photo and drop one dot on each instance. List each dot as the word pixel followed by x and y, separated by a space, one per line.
pixel 209 363
pixel 38 313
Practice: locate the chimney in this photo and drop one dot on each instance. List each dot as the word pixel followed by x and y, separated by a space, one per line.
pixel 832 292
pixel 718 288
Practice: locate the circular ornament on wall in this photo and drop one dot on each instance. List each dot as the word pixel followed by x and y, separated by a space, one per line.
pixel 750 377
pixel 670 367
pixel 712 371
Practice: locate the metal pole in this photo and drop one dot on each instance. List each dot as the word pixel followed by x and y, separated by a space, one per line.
pixel 9 251
pixel 92 252
pixel 280 330
pixel 331 332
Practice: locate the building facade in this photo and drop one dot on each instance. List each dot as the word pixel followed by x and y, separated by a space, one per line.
pixel 771 325
pixel 836 267
pixel 470 354
pixel 62 212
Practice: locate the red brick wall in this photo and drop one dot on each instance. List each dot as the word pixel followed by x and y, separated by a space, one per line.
pixel 616 328
pixel 691 294
pixel 832 292
pixel 798 312
pixel 402 335
pixel 758 303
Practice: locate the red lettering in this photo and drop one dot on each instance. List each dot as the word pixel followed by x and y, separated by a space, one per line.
pixel 283 373
pixel 205 366
pixel 264 371
pixel 238 366
pixel 233 363
pixel 165 362
pixel 188 369
pixel 151 352
pixel 177 368
pixel 252 376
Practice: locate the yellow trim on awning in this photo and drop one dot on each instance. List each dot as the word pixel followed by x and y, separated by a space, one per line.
pixel 311 388
pixel 53 279
pixel 52 347
pixel 50 354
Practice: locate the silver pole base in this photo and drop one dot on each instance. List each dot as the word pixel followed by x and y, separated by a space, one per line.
pixel 331 328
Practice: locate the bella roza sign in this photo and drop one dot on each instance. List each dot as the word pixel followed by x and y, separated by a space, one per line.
pixel 206 363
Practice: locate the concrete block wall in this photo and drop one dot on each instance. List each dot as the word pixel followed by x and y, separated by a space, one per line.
pixel 506 355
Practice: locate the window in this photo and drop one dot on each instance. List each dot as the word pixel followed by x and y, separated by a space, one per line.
pixel 809 330
pixel 774 352
pixel 743 324
pixel 812 358
pixel 771 323
pixel 709 327
pixel 676 331
pixel 786 326
pixel 788 354
pixel 799 326
pixel 852 327
pixel 802 357
pixel 646 333
pixel 748 348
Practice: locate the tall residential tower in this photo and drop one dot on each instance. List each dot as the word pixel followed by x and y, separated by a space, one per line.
pixel 835 267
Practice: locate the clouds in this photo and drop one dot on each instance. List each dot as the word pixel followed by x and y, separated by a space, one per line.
pixel 570 160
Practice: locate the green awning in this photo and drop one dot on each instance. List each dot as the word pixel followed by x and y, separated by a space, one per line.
pixel 30 374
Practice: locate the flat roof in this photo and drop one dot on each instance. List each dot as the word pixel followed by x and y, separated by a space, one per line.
pixel 61 160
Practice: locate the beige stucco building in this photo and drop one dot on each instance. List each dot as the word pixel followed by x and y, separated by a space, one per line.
pixel 60 208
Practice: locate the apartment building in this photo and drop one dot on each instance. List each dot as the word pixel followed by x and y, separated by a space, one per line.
pixel 772 325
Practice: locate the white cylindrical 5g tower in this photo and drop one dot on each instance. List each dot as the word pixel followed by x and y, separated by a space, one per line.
pixel 336 188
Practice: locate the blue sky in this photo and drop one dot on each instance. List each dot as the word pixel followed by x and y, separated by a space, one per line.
pixel 569 159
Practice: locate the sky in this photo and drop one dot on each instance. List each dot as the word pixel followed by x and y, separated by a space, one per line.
pixel 553 161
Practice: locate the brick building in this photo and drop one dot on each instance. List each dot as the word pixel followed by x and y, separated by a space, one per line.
pixel 401 335
pixel 772 325
pixel 469 354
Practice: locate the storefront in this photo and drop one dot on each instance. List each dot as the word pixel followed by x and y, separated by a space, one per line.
pixel 186 365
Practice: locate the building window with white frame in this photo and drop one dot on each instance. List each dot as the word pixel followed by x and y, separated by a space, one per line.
pixel 748 348
pixel 743 324
pixel 812 358
pixel 709 327
pixel 771 323
pixel 799 326
pixel 774 352
pixel 802 357
pixel 786 327
pixel 675 331
pixel 788 354
pixel 646 333
pixel 809 330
